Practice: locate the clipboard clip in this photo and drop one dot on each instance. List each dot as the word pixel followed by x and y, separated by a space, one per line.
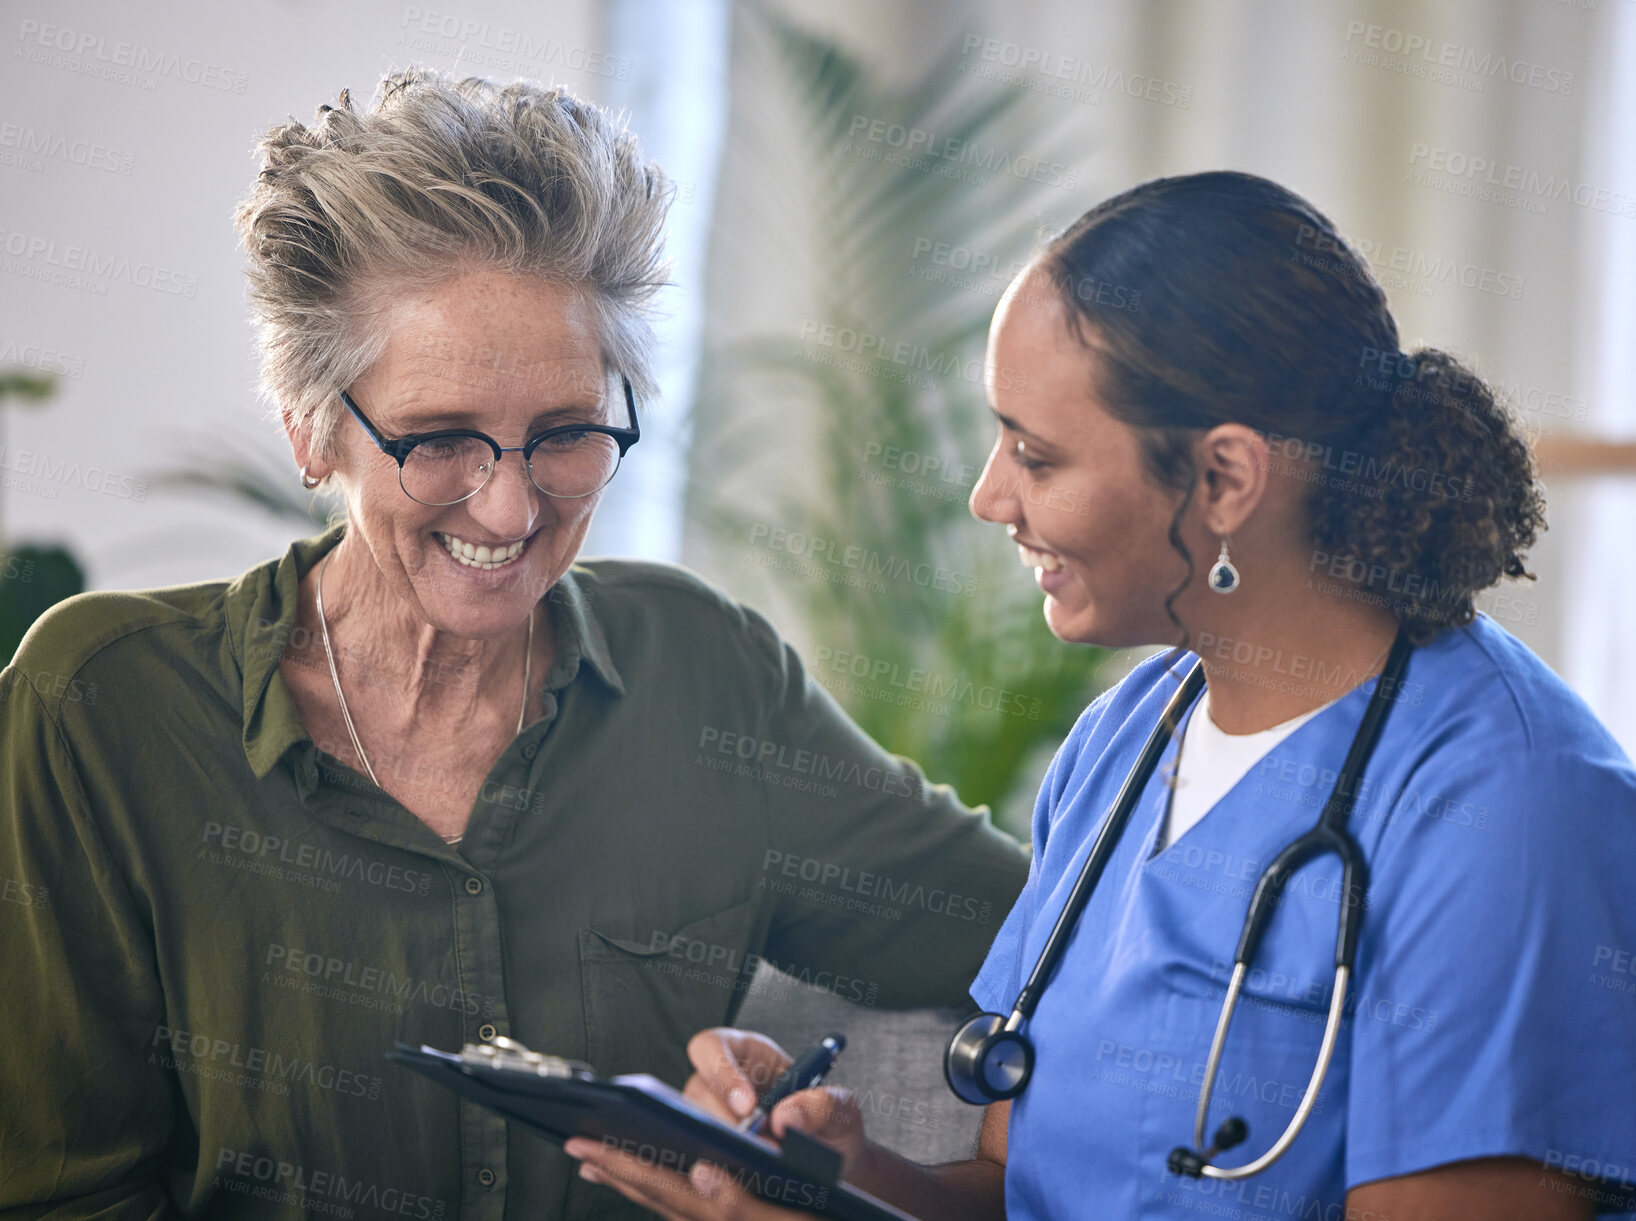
pixel 508 1055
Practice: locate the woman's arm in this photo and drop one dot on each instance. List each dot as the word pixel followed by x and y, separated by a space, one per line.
pixel 878 877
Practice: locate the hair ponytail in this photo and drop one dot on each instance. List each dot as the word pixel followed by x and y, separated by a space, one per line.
pixel 1449 500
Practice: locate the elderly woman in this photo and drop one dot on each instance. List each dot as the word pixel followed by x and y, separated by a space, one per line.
pixel 424 778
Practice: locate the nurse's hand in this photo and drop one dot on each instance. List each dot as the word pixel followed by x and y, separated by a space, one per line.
pixel 732 1068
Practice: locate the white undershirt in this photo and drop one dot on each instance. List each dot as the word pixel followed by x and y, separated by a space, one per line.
pixel 1210 762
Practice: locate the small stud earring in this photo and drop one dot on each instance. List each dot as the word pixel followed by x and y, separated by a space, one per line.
pixel 307 481
pixel 1223 576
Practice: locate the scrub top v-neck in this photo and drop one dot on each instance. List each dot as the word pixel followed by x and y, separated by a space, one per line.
pixel 1210 762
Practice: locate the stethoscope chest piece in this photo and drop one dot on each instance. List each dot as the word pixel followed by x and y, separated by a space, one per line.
pixel 985 1062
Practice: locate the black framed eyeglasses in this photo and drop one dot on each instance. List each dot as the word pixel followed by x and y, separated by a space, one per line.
pixel 452 464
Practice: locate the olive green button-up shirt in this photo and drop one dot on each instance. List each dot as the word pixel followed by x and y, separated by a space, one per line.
pixel 211 930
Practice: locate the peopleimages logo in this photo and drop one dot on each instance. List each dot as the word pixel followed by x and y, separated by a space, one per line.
pixel 469 39
pixel 43 467
pixel 879 672
pixel 70 259
pixel 1486 179
pixel 32 143
pixel 1047 71
pixel 378 983
pixel 41 359
pixel 1484 65
pixel 274 849
pixel 953 151
pixel 863 561
pixel 84 45
pixel 916 357
pixel 868 885
pixel 255 1067
pixel 304 1187
pixel 771 759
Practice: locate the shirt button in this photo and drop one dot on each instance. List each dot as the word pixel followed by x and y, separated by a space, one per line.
pixel 532 749
pixel 485 1176
pixel 486 1031
pixel 474 886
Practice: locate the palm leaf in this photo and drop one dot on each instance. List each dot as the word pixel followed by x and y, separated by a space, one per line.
pixel 974 688
pixel 243 471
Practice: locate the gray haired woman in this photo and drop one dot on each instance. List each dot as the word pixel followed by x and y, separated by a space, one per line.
pixel 425 777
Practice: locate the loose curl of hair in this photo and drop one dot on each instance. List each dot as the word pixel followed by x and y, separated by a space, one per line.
pixel 1223 297
pixel 439 178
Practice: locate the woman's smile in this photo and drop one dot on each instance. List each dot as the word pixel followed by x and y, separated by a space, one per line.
pixel 1034 558
pixel 483 556
pixel 1050 571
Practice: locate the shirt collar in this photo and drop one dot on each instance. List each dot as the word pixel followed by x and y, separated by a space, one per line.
pixel 579 636
pixel 261 610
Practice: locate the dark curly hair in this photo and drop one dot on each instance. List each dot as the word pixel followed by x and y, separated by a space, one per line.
pixel 1252 309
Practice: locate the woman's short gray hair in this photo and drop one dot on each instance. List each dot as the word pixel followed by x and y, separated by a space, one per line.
pixel 440 177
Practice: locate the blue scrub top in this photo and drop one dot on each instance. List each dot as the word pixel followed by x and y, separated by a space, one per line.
pixel 1494 1004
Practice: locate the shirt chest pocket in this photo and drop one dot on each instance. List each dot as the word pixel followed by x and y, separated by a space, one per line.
pixel 1265 1068
pixel 645 998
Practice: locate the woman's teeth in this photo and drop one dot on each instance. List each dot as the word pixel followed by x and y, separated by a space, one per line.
pixel 1039 559
pixel 479 556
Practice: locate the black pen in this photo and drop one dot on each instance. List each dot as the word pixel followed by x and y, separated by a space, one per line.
pixel 808 1069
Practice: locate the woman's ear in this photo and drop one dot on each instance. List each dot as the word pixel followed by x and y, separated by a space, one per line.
pixel 1231 460
pixel 306 460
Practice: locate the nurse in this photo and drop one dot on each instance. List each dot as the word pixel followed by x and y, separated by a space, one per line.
pixel 1241 463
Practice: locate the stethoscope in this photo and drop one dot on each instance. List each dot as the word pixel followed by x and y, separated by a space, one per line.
pixel 990 1059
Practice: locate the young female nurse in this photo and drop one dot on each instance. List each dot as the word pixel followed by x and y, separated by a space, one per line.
pixel 1219 445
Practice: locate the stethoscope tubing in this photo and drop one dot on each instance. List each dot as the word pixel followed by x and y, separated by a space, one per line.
pixel 1328 836
pixel 1107 839
pixel 1309 1098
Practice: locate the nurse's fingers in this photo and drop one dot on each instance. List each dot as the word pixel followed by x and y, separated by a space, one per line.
pixel 731 1069
pixel 829 1114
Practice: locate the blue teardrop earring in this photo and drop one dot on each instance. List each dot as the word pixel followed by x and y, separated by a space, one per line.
pixel 1223 576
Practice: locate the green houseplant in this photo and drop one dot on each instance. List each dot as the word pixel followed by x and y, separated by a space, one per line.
pixel 33 578
pixel 960 674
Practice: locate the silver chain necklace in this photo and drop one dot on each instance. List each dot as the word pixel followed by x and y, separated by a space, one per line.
pixel 335 677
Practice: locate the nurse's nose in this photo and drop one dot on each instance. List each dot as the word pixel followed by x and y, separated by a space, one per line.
pixel 994 496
